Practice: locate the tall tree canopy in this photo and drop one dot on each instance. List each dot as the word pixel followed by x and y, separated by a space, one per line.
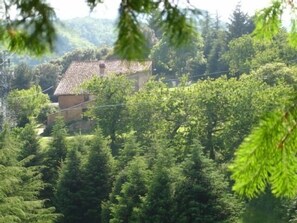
pixel 172 62
pixel 240 24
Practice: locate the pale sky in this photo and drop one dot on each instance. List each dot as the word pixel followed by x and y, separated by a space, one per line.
pixel 67 9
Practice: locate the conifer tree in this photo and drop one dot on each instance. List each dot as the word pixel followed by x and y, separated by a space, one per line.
pixel 128 152
pixel 69 185
pixel 129 189
pixel 207 33
pixel 267 157
pixel 158 204
pixel 19 187
pixel 23 77
pixel 240 24
pixel 167 62
pixel 97 179
pixel 81 144
pixel 30 146
pixel 54 157
pixel 202 196
pixel 214 45
pixel 215 65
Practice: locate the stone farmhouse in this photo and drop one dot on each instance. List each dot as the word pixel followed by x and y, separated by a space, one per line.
pixel 73 101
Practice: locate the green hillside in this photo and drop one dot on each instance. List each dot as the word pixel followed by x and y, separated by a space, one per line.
pixel 77 33
pixel 96 31
pixel 68 40
pixel 84 33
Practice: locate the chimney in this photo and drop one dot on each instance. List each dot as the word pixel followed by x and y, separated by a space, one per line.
pixel 102 68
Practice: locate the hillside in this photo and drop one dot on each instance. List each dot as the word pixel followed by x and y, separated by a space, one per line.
pixel 84 33
pixel 74 34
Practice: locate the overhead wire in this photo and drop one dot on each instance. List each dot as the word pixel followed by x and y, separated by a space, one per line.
pixel 29 96
pixel 173 79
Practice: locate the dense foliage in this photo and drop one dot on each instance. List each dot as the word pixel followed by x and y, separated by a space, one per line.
pixel 26 104
pixel 20 186
pixel 172 148
pixel 159 154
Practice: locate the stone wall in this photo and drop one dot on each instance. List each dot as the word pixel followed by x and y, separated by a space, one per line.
pixel 67 101
pixel 140 79
pixel 72 113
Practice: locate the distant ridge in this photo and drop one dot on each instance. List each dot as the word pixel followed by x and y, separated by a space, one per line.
pixel 77 33
pixel 84 32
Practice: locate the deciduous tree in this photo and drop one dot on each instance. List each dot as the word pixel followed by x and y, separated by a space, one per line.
pixel 174 62
pixel 109 109
pixel 26 105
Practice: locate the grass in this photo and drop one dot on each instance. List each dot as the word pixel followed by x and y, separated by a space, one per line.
pixel 44 141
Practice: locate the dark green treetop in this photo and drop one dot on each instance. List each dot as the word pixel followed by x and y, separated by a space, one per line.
pixel 68 192
pixel 240 24
pixel 96 179
pixel 54 157
pixel 203 195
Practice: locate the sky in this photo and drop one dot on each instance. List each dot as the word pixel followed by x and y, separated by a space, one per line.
pixel 67 9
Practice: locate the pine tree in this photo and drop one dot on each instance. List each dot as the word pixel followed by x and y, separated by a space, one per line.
pixel 240 24
pixel 19 187
pixel 69 185
pixel 129 188
pixel 215 44
pixel 54 157
pixel 215 65
pixel 207 33
pixel 97 179
pixel 158 203
pixel 30 147
pixel 267 156
pixel 128 152
pixel 202 196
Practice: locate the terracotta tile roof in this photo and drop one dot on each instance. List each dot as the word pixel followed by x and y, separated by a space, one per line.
pixel 78 72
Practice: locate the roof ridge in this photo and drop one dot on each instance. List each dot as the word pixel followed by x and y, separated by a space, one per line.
pixel 80 71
